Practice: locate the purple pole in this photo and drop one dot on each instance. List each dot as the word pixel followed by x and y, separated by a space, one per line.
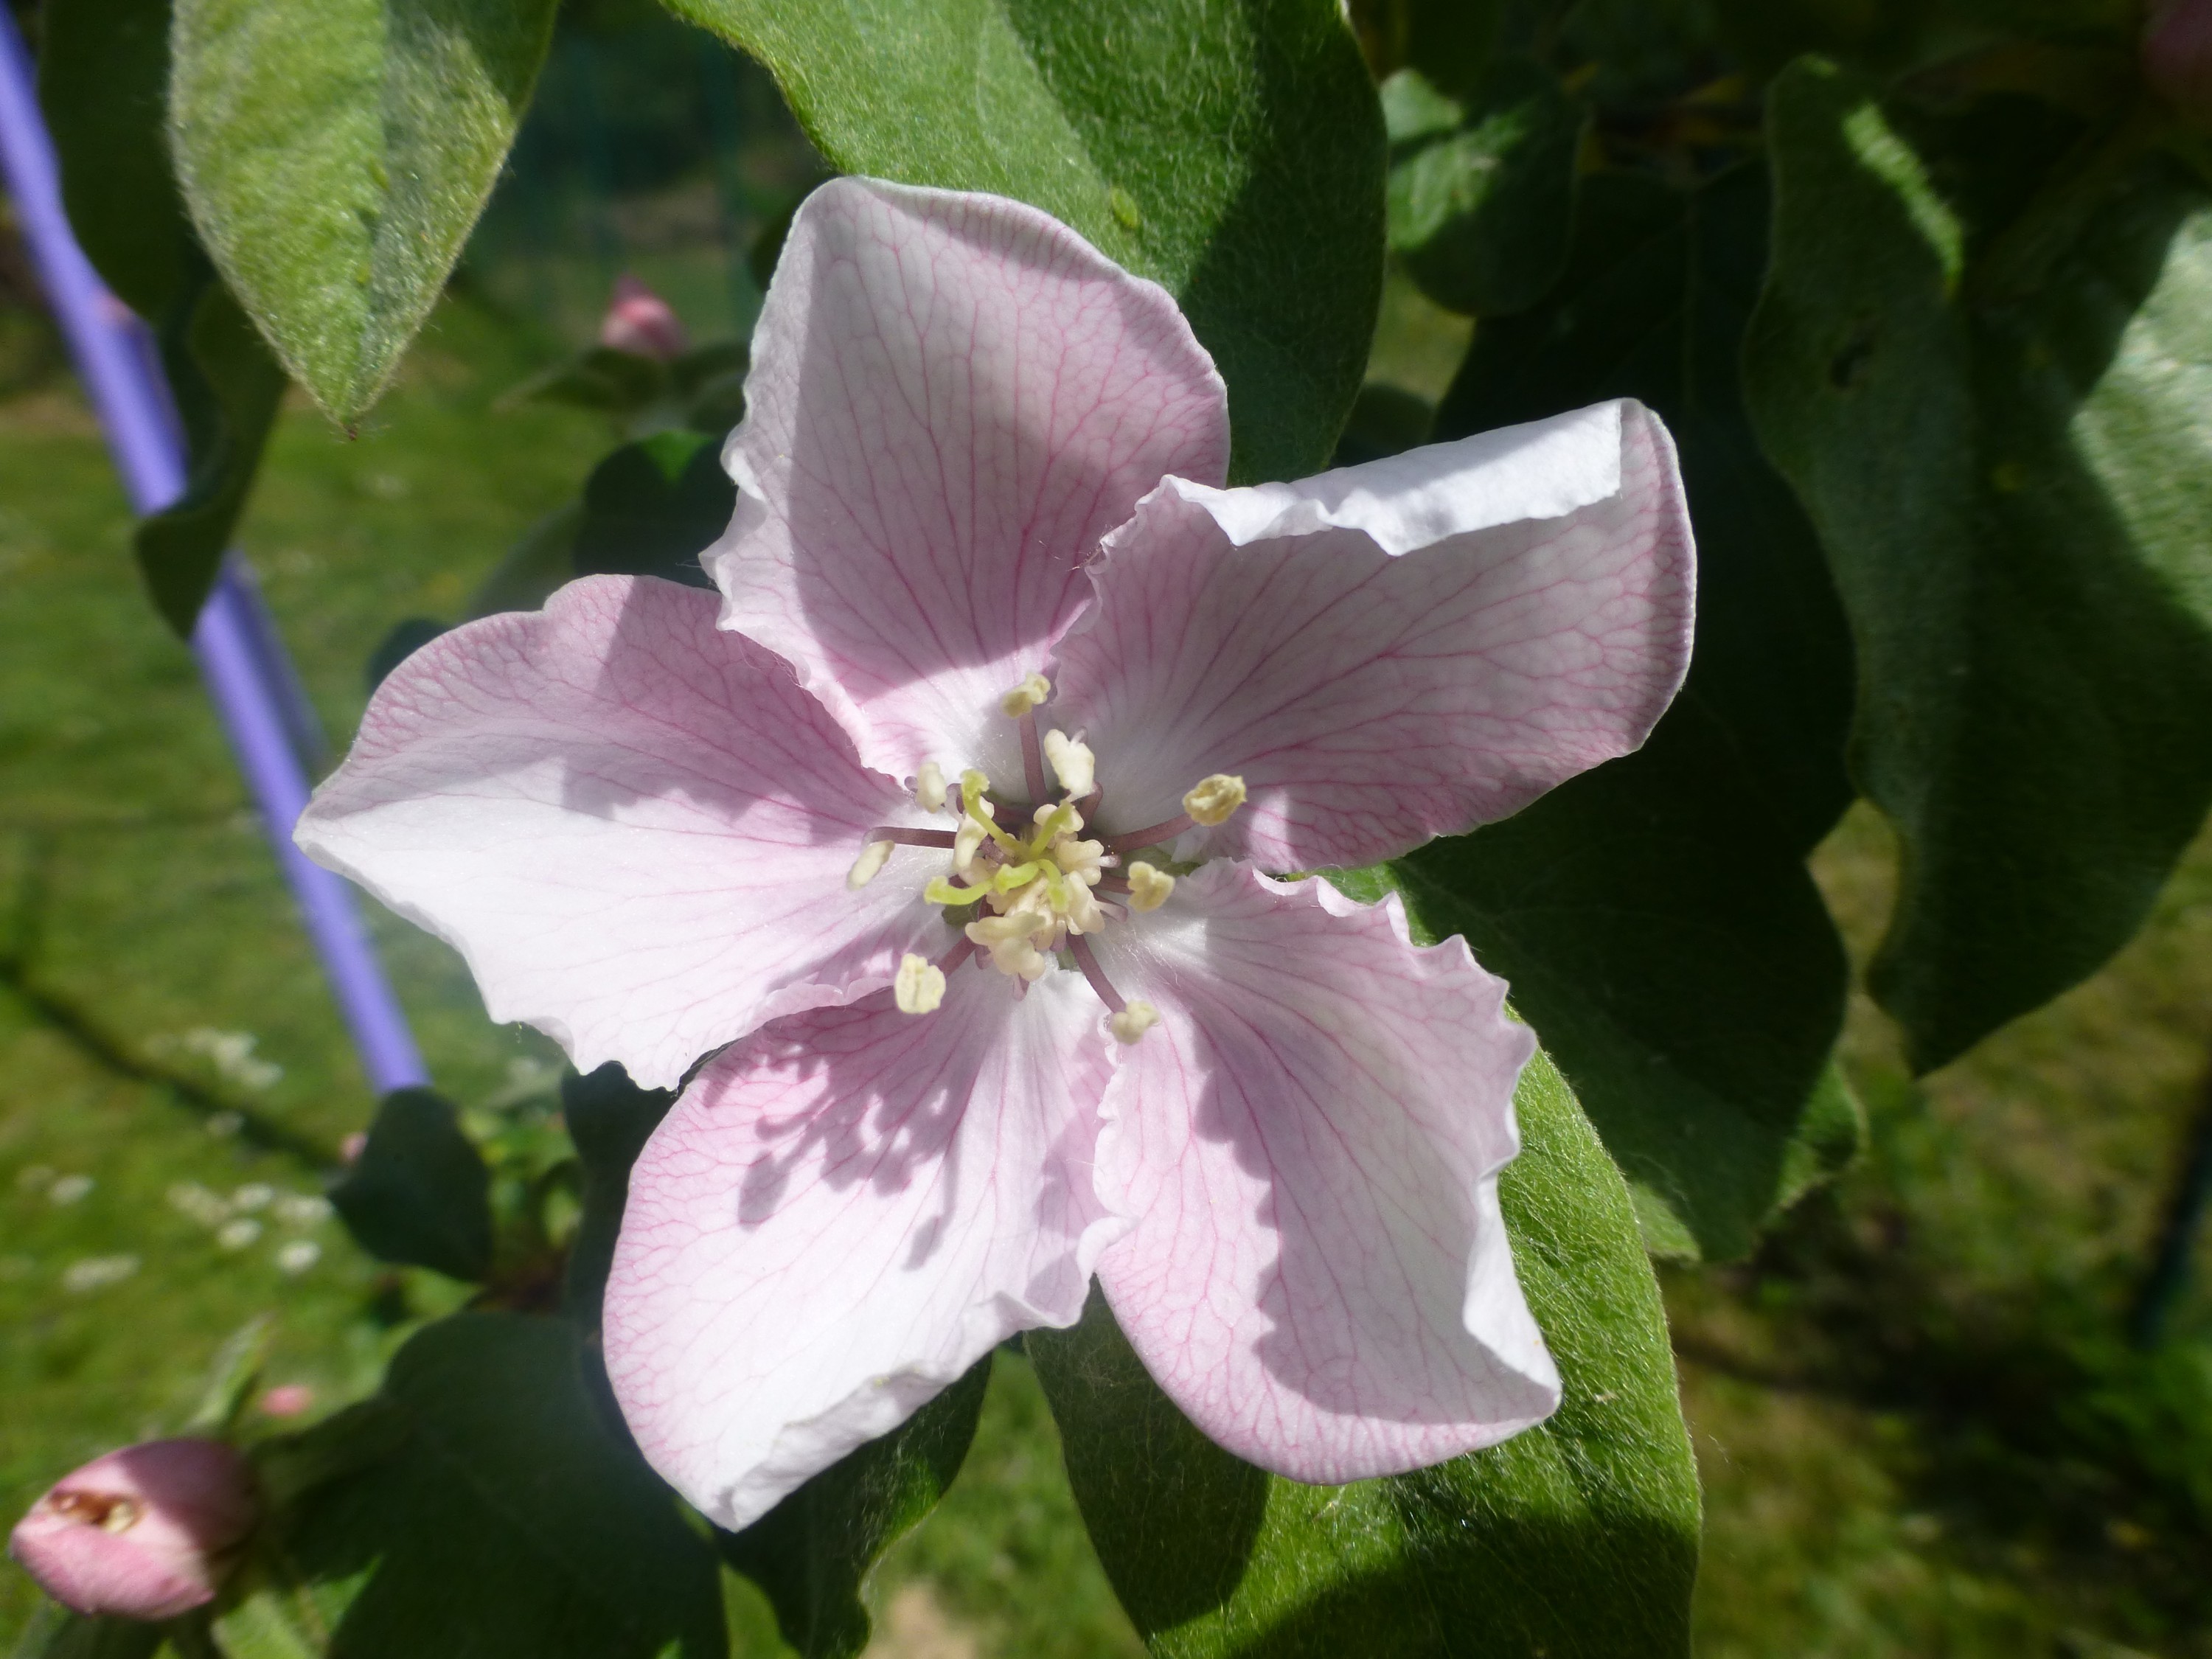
pixel 230 638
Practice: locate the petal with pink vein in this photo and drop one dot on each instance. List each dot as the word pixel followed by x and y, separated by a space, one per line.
pixel 1307 1147
pixel 952 398
pixel 1394 651
pixel 635 827
pixel 840 1217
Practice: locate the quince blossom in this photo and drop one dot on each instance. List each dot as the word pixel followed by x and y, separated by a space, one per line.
pixel 944 832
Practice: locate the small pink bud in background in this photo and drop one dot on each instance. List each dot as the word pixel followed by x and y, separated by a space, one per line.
pixel 639 321
pixel 354 1145
pixel 289 1400
pixel 2177 56
pixel 143 1532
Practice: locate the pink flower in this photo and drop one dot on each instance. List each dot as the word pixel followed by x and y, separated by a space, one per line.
pixel 143 1532
pixel 639 321
pixel 990 628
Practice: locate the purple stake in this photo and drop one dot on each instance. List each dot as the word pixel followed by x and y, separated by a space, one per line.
pixel 240 659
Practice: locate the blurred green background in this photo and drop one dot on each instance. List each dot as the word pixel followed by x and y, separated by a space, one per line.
pixel 1920 1429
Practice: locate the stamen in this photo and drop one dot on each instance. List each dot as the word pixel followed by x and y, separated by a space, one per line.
pixel 1025 696
pixel 870 865
pixel 892 834
pixel 929 787
pixel 1079 948
pixel 1149 887
pixel 919 985
pixel 941 891
pixel 1211 800
pixel 1153 834
pixel 1073 763
pixel 1133 1021
pixel 1032 763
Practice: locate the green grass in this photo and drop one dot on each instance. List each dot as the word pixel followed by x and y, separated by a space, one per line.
pixel 1919 1432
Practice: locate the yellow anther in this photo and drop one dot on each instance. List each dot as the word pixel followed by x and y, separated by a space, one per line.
pixel 1212 800
pixel 1072 763
pixel 1133 1021
pixel 929 787
pixel 967 841
pixel 1149 887
pixel 919 985
pixel 1080 861
pixel 870 865
pixel 1025 696
pixel 1012 941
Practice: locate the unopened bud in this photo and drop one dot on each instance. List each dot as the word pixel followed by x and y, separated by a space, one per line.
pixel 2177 56
pixel 143 1533
pixel 639 321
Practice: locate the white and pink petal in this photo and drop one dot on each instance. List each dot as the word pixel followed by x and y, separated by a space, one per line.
pixel 1307 1149
pixel 840 1217
pixel 634 827
pixel 953 398
pixel 1389 652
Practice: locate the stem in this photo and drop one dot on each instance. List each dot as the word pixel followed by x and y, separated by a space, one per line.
pixel 911 838
pixel 1079 948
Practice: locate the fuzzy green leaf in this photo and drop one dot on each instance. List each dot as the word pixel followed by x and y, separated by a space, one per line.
pixel 2012 478
pixel 335 156
pixel 1232 150
pixel 1655 917
pixel 1579 1536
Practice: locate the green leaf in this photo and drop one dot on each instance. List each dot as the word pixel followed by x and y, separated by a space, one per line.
pixel 1655 917
pixel 1579 1536
pixel 103 81
pixel 334 156
pixel 651 507
pixel 1232 150
pixel 1482 194
pixel 103 88
pixel 540 562
pixel 812 1552
pixel 227 388
pixel 2013 483
pixel 55 1632
pixel 510 1519
pixel 608 1118
pixel 419 1192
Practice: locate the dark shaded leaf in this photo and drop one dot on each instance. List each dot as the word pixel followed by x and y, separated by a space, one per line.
pixel 334 156
pixel 651 507
pixel 419 1194
pixel 812 1552
pixel 1482 191
pixel 1230 149
pixel 401 641
pixel 506 1519
pixel 1655 917
pixel 2012 482
pixel 608 1118
pixel 55 1632
pixel 103 77
pixel 1578 1537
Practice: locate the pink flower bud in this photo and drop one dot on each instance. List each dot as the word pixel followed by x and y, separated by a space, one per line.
pixel 639 321
pixel 289 1400
pixel 143 1532
pixel 354 1145
pixel 2177 56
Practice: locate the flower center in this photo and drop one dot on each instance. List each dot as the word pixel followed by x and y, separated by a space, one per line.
pixel 1030 889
